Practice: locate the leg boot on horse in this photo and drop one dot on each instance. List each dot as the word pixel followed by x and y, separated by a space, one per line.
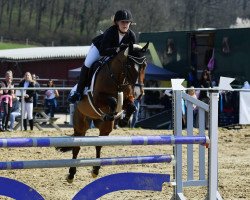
pixel 82 83
pixel 130 109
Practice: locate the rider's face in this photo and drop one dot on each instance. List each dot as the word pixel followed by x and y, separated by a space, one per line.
pixel 123 25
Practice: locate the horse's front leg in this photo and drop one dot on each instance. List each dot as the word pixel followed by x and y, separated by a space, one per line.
pixel 130 109
pixel 95 170
pixel 72 170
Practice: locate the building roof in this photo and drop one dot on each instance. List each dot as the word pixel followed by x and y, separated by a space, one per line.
pixel 44 53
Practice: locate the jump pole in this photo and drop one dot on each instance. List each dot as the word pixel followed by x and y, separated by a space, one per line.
pixel 101 141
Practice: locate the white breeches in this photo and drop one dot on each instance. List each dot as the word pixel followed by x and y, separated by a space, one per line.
pixel 28 111
pixel 92 56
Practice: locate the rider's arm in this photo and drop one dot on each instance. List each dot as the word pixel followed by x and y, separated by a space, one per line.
pixel 109 43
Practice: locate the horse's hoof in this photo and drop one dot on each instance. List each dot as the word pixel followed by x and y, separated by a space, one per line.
pixel 122 123
pixel 94 175
pixel 69 180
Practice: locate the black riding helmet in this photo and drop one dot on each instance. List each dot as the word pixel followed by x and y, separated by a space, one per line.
pixel 123 15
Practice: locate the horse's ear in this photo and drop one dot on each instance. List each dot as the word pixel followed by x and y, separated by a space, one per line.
pixel 144 49
pixel 126 52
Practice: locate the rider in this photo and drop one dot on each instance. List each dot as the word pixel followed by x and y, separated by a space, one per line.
pixel 106 44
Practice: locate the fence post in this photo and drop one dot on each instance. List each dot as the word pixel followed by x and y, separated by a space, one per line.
pixel 178 147
pixel 22 108
pixel 213 150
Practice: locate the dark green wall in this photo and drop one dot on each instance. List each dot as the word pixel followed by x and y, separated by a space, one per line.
pixel 177 62
pixel 235 64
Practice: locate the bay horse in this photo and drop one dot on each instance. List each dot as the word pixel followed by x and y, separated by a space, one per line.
pixel 115 77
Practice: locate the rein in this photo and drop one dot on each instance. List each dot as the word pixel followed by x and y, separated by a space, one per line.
pixel 127 73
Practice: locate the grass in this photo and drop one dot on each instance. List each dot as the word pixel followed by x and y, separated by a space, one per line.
pixel 10 45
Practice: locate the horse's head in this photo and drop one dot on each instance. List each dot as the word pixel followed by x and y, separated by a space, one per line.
pixel 132 62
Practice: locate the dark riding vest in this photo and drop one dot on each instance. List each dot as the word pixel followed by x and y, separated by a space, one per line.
pixel 107 42
pixel 29 92
pixel 8 91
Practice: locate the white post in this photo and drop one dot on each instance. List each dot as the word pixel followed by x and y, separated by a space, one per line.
pixel 71 113
pixel 177 96
pixel 213 150
pixel 22 109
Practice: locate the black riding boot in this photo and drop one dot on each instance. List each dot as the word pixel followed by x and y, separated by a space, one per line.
pixel 82 83
pixel 31 124
pixel 25 124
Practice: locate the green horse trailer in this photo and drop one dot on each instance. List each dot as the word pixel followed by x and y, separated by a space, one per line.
pixel 226 52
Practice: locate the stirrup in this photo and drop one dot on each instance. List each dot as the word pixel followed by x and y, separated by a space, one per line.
pixel 75 97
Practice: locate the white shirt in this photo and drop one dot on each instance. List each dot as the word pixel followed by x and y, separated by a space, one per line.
pixel 120 37
pixel 50 94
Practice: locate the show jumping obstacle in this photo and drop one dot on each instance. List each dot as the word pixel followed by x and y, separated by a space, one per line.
pixel 135 181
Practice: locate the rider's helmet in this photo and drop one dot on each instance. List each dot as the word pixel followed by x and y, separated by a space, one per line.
pixel 124 15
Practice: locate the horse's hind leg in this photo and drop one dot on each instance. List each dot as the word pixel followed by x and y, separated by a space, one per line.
pixel 95 170
pixel 81 125
pixel 105 128
pixel 72 170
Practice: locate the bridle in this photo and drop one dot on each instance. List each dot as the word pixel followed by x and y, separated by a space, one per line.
pixel 128 78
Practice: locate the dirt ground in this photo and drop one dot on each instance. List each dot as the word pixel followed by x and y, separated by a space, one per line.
pixel 234 166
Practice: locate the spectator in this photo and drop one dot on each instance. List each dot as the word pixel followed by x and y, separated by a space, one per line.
pixel 36 92
pixel 205 82
pixel 137 102
pixel 192 78
pixel 192 93
pixel 15 112
pixel 27 82
pixel 6 98
pixel 50 99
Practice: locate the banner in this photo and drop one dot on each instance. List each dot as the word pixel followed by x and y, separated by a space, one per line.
pixel 244 115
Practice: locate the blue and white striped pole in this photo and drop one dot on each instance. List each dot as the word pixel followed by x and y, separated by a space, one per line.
pixel 101 141
pixel 33 164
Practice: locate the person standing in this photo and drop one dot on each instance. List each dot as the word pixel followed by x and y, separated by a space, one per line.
pixel 138 96
pixel 27 82
pixel 50 99
pixel 205 82
pixel 6 98
pixel 35 95
pixel 192 93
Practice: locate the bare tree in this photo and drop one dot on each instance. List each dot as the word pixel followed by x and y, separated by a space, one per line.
pixel 11 6
pixel 86 17
pixel 20 5
pixel 31 9
pixel 40 7
pixel 3 3
pixel 51 14
pixel 91 15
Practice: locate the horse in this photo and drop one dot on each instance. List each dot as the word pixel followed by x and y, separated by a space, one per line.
pixel 112 91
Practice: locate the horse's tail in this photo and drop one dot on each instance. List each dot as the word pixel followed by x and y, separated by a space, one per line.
pixel 64 149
